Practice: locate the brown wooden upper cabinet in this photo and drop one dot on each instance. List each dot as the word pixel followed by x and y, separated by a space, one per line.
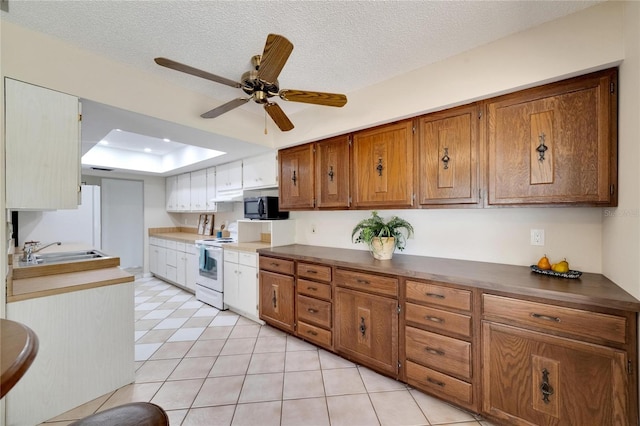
pixel 382 166
pixel 296 189
pixel 332 173
pixel 555 144
pixel 448 146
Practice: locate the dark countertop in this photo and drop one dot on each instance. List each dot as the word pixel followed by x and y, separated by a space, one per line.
pixel 593 289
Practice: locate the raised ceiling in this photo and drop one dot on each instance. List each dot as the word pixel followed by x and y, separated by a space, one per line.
pixel 339 46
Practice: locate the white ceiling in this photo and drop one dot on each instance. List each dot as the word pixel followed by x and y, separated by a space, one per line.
pixel 339 46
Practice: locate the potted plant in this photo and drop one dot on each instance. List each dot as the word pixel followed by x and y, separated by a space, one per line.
pixel 382 237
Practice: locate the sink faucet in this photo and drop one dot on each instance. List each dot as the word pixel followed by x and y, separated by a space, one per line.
pixel 31 247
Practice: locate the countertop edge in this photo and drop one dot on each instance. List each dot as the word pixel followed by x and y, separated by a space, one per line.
pixel 492 277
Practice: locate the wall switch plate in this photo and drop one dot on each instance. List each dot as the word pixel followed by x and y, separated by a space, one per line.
pixel 537 237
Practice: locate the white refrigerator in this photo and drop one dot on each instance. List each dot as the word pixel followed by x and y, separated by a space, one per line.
pixel 81 225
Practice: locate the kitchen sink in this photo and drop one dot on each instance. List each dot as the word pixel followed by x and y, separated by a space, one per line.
pixel 63 257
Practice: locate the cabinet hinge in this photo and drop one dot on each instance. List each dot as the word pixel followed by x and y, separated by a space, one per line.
pixel 479 115
pixel 398 309
pixel 399 364
pixel 314 202
pixel 350 200
pixel 79 117
pixel 480 193
pixel 413 129
pixel 612 87
pixel 629 368
pixel 612 189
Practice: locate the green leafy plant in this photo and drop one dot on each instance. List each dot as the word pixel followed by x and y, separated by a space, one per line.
pixel 374 227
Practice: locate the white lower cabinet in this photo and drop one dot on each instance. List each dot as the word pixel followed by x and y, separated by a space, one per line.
pixel 241 282
pixel 174 261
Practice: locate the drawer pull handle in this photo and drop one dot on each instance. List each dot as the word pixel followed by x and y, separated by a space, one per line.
pixel 435 382
pixel 275 264
pixel 311 332
pixel 545 317
pixel 361 281
pixel 436 295
pixel 311 271
pixel 274 299
pixel 545 387
pixel 312 288
pixel 363 327
pixel 312 311
pixel 434 319
pixel 434 351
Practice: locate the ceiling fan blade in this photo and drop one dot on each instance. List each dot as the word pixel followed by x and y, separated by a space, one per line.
pixel 225 108
pixel 317 98
pixel 278 116
pixel 276 52
pixel 194 71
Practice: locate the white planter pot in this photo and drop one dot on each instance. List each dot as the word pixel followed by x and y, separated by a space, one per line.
pixel 382 248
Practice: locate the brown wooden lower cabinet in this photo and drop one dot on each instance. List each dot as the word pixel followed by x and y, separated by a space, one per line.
pixel 515 359
pixel 532 378
pixel 367 329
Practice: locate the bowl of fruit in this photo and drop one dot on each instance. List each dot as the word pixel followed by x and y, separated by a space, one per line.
pixel 560 269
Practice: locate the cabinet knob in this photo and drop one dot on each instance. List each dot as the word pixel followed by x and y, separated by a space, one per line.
pixel 379 167
pixel 542 147
pixel 445 159
pixel 363 327
pixel 330 173
pixel 545 387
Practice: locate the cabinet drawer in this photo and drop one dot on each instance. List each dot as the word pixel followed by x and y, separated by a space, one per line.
pixel 385 286
pixel 276 265
pixel 552 318
pixel 314 334
pixel 314 311
pixel 435 294
pixel 441 352
pixel 170 244
pixel 247 259
pixel 438 383
pixel 315 272
pixel 438 319
pixel 180 246
pixel 230 255
pixel 171 258
pixel 314 289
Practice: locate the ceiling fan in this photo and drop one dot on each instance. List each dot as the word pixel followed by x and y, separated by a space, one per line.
pixel 261 83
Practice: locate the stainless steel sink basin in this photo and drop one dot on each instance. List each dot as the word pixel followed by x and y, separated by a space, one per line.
pixel 63 257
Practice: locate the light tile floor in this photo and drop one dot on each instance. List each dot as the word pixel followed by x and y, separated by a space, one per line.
pixel 207 367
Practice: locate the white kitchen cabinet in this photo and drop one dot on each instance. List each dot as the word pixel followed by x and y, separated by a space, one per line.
pixel 229 176
pixel 199 191
pixel 211 185
pixel 184 192
pixel 42 135
pixel 260 171
pixel 171 193
pixel 157 257
pixel 241 282
pixel 191 273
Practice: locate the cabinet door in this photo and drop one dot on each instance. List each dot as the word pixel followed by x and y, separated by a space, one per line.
pixel 211 187
pixel 192 268
pixel 447 156
pixel 248 289
pixel 260 171
pixel 153 259
pixel 230 272
pixel 533 378
pixel 332 173
pixel 554 144
pixel 367 329
pixel 184 192
pixel 171 193
pixel 382 166
pixel 229 176
pixel 181 269
pixel 276 300
pixel 297 177
pixel 42 135
pixel 198 199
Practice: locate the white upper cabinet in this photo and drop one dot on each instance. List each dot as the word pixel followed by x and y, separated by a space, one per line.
pixel 229 176
pixel 211 186
pixel 199 190
pixel 184 192
pixel 260 171
pixel 172 193
pixel 42 137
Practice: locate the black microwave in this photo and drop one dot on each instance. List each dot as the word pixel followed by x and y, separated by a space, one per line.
pixel 263 208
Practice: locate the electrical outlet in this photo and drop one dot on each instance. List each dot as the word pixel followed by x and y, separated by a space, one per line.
pixel 537 237
pixel 313 229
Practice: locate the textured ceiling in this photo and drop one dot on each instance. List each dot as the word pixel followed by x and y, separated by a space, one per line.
pixel 339 46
